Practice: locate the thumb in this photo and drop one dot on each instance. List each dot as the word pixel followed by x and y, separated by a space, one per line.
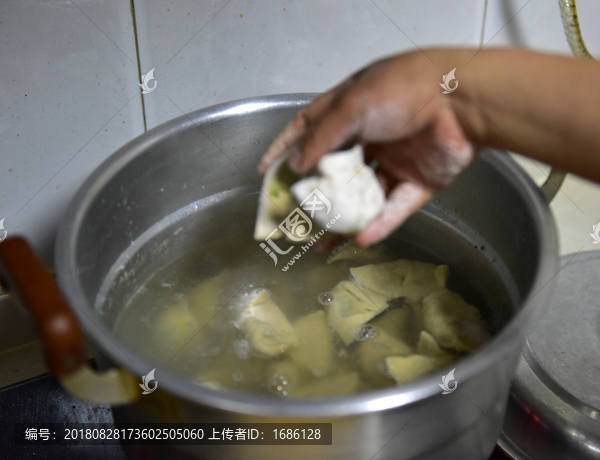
pixel 404 200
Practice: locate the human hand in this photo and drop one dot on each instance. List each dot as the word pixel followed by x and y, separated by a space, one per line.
pixel 396 109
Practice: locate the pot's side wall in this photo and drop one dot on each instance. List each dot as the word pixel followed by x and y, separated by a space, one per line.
pixel 151 174
pixel 462 424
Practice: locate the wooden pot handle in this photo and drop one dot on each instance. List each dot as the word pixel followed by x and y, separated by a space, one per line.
pixel 26 277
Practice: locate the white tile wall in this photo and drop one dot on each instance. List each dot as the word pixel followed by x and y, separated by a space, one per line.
pixel 247 48
pixel 69 92
pixel 68 98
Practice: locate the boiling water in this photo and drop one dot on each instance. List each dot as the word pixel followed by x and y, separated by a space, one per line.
pixel 185 316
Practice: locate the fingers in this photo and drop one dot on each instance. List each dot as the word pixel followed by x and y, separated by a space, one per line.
pixel 386 180
pixel 294 130
pixel 404 200
pixel 326 245
pixel 335 126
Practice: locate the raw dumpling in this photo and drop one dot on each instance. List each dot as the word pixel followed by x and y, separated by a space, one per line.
pixel 315 350
pixel 267 329
pixel 349 185
pixel 353 306
pixel 455 324
pixel 356 202
pixel 372 354
pixel 402 278
pixel 276 201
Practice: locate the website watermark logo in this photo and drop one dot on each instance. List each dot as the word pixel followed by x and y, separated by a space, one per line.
pixel 595 236
pixel 447 79
pixel 297 227
pixel 4 233
pixel 446 379
pixel 146 79
pixel 147 379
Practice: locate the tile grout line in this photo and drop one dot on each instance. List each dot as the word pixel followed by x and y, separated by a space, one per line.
pixel 137 54
pixel 485 8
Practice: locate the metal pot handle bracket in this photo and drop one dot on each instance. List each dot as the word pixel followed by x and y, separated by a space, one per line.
pixel 26 277
pixel 552 184
pixel 568 13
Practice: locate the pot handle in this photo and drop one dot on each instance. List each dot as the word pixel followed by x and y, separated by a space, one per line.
pixel 552 184
pixel 24 275
pixel 568 13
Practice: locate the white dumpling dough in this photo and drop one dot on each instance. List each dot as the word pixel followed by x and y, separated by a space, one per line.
pixel 267 328
pixel 353 306
pixel 350 186
pixel 455 324
pixel 315 350
pixel 402 278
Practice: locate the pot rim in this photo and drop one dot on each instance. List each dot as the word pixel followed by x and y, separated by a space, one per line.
pixel 261 405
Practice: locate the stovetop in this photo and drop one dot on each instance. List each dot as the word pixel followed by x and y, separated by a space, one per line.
pixel 43 400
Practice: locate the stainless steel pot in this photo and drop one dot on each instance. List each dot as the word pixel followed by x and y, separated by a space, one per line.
pixel 493 226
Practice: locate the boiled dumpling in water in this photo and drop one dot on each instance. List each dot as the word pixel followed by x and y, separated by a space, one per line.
pixel 455 324
pixel 428 346
pixel 284 377
pixel 405 369
pixel 267 328
pixel 353 306
pixel 315 350
pixel 402 278
pixel 205 300
pixel 349 253
pixel 339 385
pixel 175 326
pixel 372 354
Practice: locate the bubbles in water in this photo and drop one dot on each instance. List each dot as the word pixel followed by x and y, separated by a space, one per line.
pixel 237 377
pixel 367 332
pixel 241 348
pixel 325 298
pixel 279 385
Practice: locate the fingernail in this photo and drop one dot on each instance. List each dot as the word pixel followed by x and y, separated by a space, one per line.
pixel 295 160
